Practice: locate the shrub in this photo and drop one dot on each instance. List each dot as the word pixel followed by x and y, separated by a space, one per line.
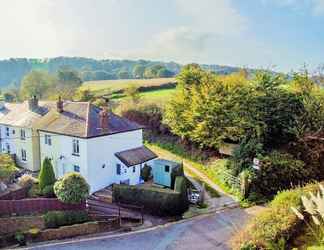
pixel 46 175
pixel 280 171
pixel 181 187
pixel 163 202
pixel 7 167
pixel 176 171
pixel 146 172
pixel 276 223
pixel 72 188
pixel 56 219
pixel 20 238
pixel 48 191
pixel 26 181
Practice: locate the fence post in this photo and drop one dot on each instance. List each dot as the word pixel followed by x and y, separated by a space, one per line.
pixel 244 184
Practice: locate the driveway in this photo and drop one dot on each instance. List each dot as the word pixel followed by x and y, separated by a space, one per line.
pixel 207 232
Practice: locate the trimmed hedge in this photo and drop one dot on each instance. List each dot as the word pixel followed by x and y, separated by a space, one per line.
pixel 162 202
pixel 55 219
pixel 275 222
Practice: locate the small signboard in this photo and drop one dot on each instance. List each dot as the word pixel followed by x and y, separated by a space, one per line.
pixel 256 163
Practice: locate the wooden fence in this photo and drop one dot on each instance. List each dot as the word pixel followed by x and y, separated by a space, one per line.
pixel 38 205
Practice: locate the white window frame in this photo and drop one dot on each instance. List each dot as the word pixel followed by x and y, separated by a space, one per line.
pixel 8 148
pixel 7 131
pixel 48 140
pixel 23 155
pixel 75 147
pixel 23 134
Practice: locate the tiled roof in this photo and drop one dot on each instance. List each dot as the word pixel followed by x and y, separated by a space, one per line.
pixel 135 156
pixel 19 115
pixel 81 119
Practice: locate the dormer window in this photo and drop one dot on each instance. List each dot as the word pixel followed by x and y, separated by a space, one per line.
pixel 22 134
pixel 76 147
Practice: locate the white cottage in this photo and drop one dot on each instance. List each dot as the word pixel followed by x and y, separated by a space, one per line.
pixel 103 147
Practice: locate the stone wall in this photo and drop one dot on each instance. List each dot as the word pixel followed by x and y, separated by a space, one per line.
pixel 21 223
pixel 77 230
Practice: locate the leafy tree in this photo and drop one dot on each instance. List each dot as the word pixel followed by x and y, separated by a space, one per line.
pixel 46 175
pixel 164 72
pixel 133 93
pixel 36 83
pixel 123 74
pixel 84 95
pixel 138 71
pixel 72 188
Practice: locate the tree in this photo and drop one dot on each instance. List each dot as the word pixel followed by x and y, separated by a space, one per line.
pixel 123 74
pixel 46 175
pixel 84 95
pixel 164 72
pixel 68 81
pixel 36 83
pixel 133 93
pixel 138 71
pixel 72 188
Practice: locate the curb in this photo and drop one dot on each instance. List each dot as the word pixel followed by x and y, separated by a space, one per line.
pixel 111 235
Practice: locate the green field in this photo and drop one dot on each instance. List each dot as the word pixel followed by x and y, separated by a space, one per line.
pixel 115 85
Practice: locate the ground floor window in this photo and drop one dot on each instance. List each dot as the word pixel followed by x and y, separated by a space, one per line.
pixel 23 155
pixel 134 169
pixel 76 168
pixel 8 148
pixel 118 169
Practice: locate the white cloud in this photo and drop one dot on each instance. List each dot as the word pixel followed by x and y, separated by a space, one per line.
pixel 316 7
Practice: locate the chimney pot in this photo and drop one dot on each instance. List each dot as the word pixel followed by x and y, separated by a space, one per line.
pixel 59 105
pixel 103 119
pixel 33 104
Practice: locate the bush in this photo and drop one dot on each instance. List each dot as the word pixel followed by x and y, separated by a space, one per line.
pixel 46 175
pixel 180 186
pixel 48 191
pixel 7 167
pixel 72 188
pixel 280 171
pixel 176 171
pixel 26 181
pixel 163 202
pixel 277 222
pixel 146 172
pixel 55 219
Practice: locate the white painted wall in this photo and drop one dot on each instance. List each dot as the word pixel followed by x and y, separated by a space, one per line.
pixel 101 152
pixel 61 154
pixel 16 145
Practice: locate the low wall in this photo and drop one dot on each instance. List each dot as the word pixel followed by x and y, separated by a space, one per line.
pixel 18 194
pixel 23 223
pixel 37 205
pixel 77 230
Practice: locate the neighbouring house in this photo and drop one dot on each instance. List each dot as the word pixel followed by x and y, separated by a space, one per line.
pixel 161 170
pixel 78 137
pixel 18 135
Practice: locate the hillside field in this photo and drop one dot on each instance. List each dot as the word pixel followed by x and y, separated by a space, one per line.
pixel 115 85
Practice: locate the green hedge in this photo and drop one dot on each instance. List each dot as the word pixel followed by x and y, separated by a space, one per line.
pixel 275 222
pixel 157 201
pixel 56 219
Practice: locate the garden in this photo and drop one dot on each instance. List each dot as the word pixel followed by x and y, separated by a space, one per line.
pixel 50 209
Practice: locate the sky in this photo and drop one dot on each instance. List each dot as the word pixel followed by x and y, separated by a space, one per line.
pixel 278 34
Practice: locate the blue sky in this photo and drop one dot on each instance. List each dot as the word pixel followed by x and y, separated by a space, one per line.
pixel 279 34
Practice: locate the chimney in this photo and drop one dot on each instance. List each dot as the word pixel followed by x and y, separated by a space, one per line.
pixel 59 105
pixel 103 117
pixel 33 104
